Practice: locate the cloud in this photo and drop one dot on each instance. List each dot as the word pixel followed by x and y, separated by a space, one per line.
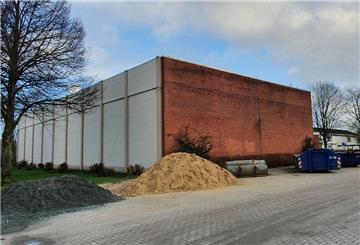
pixel 292 70
pixel 110 33
pixel 318 41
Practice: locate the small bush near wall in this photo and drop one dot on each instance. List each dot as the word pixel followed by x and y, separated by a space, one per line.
pixel 136 169
pixel 100 170
pixel 49 166
pixel 40 165
pixel 191 141
pixel 22 164
pixel 63 167
pixel 308 143
pixel 31 166
pixel 109 172
pixel 96 168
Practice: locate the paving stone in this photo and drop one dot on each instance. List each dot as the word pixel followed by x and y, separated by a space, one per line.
pixel 284 208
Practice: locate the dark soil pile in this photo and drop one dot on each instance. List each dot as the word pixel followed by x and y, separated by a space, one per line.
pixel 24 203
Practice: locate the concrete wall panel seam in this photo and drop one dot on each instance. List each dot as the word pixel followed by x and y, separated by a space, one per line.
pixel 126 118
pixel 53 137
pixel 24 140
pixel 162 107
pixel 66 134
pixel 42 140
pixel 32 140
pixel 159 107
pixel 82 139
pixel 102 124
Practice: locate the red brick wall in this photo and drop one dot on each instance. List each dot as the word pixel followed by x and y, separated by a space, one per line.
pixel 244 116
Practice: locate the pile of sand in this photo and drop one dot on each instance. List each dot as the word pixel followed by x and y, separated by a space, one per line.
pixel 177 172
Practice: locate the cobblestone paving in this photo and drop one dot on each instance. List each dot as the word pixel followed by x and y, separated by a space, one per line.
pixel 284 208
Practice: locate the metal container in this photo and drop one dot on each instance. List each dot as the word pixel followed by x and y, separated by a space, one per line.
pixel 261 168
pixel 318 160
pixel 247 168
pixel 233 168
pixel 349 159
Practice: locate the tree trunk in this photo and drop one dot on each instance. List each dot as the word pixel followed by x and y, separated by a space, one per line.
pixel 6 153
pixel 325 139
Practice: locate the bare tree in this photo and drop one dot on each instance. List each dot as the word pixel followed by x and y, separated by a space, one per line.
pixel 353 111
pixel 328 106
pixel 42 56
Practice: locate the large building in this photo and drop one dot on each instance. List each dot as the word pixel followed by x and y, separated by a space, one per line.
pixel 141 111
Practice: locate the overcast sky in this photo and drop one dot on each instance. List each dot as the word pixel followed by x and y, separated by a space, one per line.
pixel 284 42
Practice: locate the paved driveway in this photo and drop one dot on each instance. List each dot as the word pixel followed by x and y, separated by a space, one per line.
pixel 284 208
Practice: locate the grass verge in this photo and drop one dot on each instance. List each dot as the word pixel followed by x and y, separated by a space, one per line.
pixel 21 175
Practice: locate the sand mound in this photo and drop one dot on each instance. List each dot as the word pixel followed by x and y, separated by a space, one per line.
pixel 26 202
pixel 177 172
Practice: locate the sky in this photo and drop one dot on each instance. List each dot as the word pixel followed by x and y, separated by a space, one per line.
pixel 290 43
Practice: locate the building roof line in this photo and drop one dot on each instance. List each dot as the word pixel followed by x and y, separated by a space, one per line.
pixel 337 131
pixel 237 74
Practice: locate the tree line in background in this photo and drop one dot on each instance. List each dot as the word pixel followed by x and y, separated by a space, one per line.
pixel 334 108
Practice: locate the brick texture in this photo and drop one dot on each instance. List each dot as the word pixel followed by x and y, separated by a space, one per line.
pixel 245 117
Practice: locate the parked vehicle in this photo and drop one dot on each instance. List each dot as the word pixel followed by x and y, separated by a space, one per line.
pixel 318 160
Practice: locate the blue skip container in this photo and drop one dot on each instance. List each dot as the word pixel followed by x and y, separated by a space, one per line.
pixel 318 160
pixel 349 159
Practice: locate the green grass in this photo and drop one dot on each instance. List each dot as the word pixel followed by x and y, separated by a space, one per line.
pixel 21 175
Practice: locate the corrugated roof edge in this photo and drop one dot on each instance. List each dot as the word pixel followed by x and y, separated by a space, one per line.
pixel 230 72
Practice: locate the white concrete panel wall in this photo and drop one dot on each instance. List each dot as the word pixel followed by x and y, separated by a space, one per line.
pixel 37 143
pixel 37 120
pixel 143 129
pixel 74 140
pixel 59 140
pixel 22 122
pixel 131 125
pixel 92 136
pixel 48 134
pixel 20 145
pixel 114 134
pixel 59 112
pixel 142 78
pixel 114 87
pixel 28 143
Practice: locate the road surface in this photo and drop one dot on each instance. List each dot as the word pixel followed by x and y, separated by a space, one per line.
pixel 284 208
